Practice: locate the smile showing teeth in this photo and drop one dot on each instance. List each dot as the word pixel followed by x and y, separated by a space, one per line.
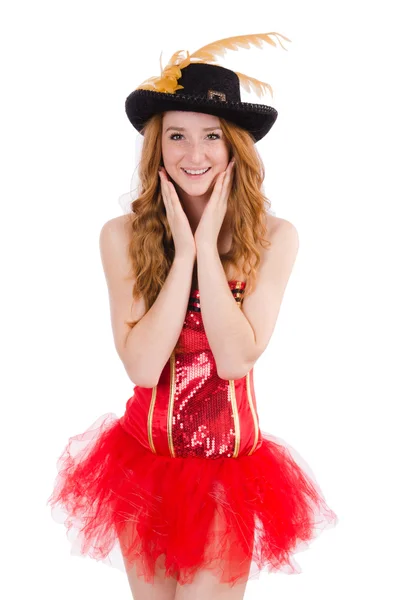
pixel 190 172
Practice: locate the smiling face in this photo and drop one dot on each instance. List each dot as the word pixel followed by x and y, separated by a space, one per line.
pixel 193 141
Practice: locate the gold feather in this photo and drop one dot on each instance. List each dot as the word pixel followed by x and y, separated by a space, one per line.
pixel 168 80
pixel 209 51
pixel 259 87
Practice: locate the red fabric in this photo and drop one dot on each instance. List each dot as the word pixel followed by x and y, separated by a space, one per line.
pixel 216 493
pixel 195 412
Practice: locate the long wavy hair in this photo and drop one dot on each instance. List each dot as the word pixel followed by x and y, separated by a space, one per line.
pixel 152 248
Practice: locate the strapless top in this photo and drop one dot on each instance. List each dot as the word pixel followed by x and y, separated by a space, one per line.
pixel 192 411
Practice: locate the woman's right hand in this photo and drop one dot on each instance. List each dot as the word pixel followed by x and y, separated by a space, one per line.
pixel 180 227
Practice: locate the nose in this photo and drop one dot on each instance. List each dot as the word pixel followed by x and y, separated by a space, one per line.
pixel 195 154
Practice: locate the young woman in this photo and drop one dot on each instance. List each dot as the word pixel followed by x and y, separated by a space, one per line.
pixel 186 482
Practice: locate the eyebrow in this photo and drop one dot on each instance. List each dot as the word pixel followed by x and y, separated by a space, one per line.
pixel 183 128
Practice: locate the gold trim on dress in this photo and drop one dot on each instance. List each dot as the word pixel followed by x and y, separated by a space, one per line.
pixel 150 419
pixel 171 405
pixel 254 417
pixel 235 418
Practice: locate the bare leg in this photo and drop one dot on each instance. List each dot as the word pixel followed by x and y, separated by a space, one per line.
pixel 163 588
pixel 206 584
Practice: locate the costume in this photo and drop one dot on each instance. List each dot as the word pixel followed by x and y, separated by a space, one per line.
pixel 187 471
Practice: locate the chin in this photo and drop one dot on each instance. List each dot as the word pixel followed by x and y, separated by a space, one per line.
pixel 195 190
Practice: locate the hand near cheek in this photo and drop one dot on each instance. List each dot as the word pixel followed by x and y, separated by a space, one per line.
pixel 208 229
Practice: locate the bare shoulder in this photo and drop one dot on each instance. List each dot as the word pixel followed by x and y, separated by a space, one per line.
pixel 120 224
pixel 114 242
pixel 116 231
pixel 283 237
pixel 284 245
pixel 280 228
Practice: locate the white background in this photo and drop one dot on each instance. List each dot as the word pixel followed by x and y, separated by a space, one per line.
pixel 325 384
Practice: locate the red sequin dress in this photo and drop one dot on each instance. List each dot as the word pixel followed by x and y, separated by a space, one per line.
pixel 187 473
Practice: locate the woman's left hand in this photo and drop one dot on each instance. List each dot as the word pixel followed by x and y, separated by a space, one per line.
pixel 208 229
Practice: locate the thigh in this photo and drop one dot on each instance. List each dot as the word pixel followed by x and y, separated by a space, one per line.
pixel 206 583
pixel 162 588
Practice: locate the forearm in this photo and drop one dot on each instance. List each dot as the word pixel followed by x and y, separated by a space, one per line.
pixel 230 335
pixel 150 343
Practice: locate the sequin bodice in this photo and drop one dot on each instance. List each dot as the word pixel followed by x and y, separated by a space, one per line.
pixel 192 411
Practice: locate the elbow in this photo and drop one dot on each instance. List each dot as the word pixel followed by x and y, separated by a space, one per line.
pixel 138 371
pixel 234 374
pixel 141 381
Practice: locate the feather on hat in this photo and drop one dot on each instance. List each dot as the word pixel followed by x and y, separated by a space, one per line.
pixel 168 80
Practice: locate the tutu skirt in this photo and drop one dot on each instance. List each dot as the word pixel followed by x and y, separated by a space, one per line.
pixel 116 498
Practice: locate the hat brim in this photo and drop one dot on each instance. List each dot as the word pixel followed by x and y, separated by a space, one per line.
pixel 258 119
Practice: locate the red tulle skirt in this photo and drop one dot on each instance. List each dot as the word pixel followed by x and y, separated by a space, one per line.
pixel 125 505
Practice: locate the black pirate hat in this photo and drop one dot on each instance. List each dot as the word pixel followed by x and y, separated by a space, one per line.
pixel 193 83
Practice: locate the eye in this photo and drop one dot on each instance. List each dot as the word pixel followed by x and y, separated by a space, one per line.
pixel 172 136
